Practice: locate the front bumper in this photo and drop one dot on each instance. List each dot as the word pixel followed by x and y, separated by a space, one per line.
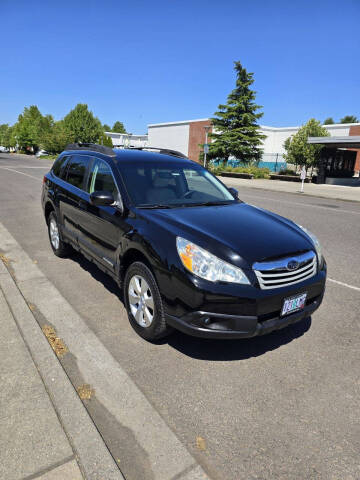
pixel 215 325
pixel 244 318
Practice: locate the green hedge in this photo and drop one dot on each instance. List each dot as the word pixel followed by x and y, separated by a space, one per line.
pixel 256 171
pixel 48 157
pixel 287 171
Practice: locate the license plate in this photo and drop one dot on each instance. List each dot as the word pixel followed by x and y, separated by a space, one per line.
pixel 293 304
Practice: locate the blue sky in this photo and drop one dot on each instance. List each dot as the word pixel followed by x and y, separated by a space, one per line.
pixel 144 62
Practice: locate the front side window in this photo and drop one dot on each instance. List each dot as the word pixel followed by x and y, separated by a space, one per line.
pixel 153 183
pixel 76 170
pixel 101 178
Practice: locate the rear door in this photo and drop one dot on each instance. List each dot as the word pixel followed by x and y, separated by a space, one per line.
pixel 102 226
pixel 75 199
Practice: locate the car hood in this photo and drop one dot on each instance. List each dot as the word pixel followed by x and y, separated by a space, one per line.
pixel 239 233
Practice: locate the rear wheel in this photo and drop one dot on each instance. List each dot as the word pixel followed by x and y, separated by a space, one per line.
pixel 143 303
pixel 60 248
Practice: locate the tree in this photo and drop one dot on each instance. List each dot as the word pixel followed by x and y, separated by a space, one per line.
pixel 55 140
pixel 349 119
pixel 3 131
pixel 81 124
pixel 298 151
pixel 105 140
pixel 328 121
pixel 30 128
pixel 236 132
pixel 118 127
pixel 106 127
pixel 7 138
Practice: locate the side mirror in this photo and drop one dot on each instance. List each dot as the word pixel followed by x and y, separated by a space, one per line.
pixel 101 198
pixel 234 193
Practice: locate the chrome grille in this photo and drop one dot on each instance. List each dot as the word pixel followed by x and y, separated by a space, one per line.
pixel 277 274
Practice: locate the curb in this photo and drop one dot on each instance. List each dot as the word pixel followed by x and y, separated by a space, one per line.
pixel 95 461
pixel 143 434
pixel 256 187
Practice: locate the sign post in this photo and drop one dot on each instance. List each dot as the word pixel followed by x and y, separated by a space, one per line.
pixel 302 176
pixel 206 145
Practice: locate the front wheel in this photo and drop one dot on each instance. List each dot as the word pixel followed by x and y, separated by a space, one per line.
pixel 143 303
pixel 60 248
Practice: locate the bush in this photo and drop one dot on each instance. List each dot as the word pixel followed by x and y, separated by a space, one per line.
pixel 287 171
pixel 48 157
pixel 252 169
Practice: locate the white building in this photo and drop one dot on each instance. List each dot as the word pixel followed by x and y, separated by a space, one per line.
pixel 186 136
pixel 127 139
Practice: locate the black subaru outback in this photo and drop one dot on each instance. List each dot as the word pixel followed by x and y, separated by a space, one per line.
pixel 186 251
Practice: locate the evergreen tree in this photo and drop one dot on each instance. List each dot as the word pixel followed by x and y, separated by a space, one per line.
pixel 106 127
pixel 105 140
pixel 81 124
pixel 349 119
pixel 235 129
pixel 328 121
pixel 118 127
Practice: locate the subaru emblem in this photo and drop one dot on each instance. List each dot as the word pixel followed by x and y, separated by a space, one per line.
pixel 293 265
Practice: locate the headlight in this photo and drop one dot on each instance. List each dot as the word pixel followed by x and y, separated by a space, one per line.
pixel 205 265
pixel 316 243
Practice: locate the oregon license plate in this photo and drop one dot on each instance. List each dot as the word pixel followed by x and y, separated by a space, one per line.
pixel 293 304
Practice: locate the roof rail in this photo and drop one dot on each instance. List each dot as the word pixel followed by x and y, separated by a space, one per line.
pixel 94 147
pixel 165 151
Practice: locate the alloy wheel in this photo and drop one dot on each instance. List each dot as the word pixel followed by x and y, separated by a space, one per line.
pixel 54 234
pixel 141 301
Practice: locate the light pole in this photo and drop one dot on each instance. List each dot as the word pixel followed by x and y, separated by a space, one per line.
pixel 206 145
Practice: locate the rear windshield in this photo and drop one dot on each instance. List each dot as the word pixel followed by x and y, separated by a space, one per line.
pixel 152 183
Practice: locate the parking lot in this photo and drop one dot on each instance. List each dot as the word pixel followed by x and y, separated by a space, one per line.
pixel 282 406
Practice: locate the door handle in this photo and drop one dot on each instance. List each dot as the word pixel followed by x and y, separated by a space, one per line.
pixel 82 204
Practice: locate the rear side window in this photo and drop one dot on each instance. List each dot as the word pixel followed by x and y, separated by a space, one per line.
pixel 59 167
pixel 77 170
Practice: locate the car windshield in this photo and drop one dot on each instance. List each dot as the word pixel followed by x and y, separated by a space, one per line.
pixel 160 185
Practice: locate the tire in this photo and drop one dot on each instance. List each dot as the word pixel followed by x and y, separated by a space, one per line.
pixel 59 247
pixel 143 303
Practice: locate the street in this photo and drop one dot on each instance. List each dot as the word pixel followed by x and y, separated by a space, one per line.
pixel 282 406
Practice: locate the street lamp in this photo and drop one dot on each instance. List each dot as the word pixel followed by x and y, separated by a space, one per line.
pixel 206 145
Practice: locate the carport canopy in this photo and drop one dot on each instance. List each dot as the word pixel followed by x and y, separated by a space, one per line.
pixel 336 142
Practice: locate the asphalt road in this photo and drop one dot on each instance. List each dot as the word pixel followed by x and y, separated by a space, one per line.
pixel 282 406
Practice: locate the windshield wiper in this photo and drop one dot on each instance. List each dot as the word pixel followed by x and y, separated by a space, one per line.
pixel 158 205
pixel 207 204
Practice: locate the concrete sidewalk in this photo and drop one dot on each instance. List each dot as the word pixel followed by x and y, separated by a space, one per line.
pixel 32 441
pixel 335 192
pixel 36 439
pixel 115 426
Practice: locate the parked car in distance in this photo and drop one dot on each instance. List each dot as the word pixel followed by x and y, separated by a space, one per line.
pixel 41 153
pixel 4 149
pixel 186 252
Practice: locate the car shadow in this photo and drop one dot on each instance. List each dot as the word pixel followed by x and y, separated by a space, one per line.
pixel 98 275
pixel 204 348
pixel 240 349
